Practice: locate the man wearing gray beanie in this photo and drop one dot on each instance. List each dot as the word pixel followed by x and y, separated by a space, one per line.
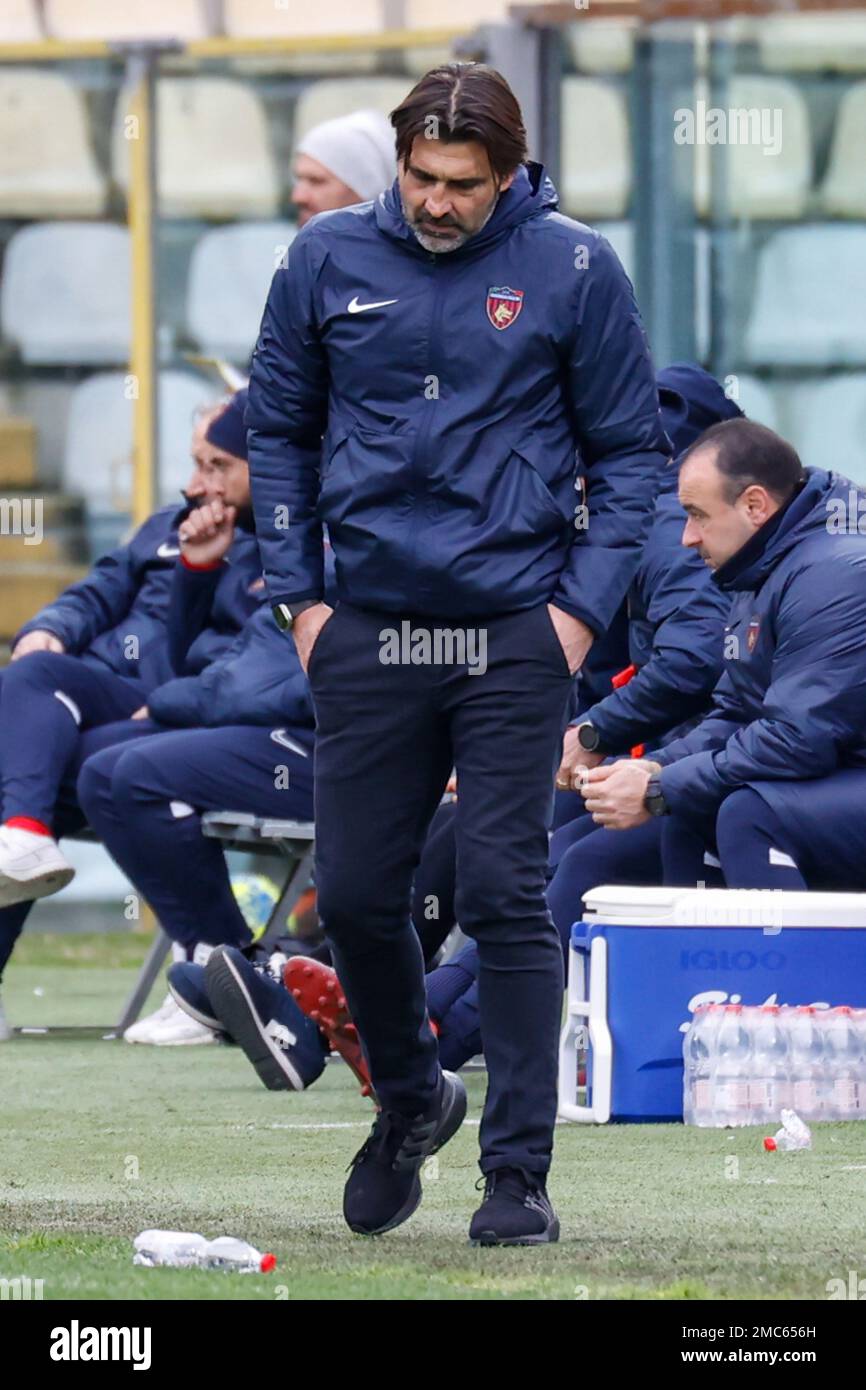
pixel 347 160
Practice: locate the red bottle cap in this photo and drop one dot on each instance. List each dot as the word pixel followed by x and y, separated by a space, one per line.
pixel 268 1263
pixel 770 1145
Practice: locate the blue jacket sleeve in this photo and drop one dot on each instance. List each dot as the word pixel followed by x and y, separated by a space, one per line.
pixel 189 608
pixel 621 441
pixel 813 706
pixel 99 601
pixel 287 416
pixel 686 613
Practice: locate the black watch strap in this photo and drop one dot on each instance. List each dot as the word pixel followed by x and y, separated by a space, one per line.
pixel 654 798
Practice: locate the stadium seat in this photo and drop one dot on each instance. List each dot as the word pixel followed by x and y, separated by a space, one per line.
pixel 263 19
pixel 596 156
pixel 65 293
pixel 826 422
pixel 621 237
pixel 809 297
pixel 134 19
pixel 818 42
pixel 321 101
pixel 755 398
pixel 214 156
pixel 601 45
pixel 444 14
pixel 843 193
pixel 771 186
pixel 19 22
pixel 229 275
pixel 97 460
pixel 47 165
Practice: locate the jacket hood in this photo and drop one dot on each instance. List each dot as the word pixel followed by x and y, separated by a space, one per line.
pixel 808 511
pixel 691 401
pixel 531 193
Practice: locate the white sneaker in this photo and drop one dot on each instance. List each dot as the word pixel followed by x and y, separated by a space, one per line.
pixel 5 1030
pixel 31 866
pixel 169 1027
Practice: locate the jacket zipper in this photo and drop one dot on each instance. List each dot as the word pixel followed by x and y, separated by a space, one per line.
pixel 418 460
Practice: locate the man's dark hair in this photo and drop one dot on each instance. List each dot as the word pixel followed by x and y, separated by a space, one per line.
pixel 747 454
pixel 461 102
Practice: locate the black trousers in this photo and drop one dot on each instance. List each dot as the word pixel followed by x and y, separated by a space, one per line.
pixel 388 734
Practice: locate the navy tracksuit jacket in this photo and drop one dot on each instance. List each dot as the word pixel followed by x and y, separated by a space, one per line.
pixel 787 720
pixel 461 397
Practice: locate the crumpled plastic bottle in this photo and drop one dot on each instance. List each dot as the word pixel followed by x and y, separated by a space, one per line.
pixel 794 1134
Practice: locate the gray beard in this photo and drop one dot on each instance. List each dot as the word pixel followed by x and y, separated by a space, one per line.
pixel 434 245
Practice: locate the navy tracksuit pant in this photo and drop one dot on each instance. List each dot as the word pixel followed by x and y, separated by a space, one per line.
pixel 387 738
pixel 786 835
pixel 47 702
pixel 145 800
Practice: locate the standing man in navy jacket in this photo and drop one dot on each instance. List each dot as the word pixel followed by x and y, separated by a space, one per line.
pixel 457 342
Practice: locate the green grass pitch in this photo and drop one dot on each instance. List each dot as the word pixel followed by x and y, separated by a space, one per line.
pixel 101 1140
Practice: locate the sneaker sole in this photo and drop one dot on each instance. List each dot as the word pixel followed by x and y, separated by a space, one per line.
pixel 316 991
pixel 25 890
pixel 548 1237
pixel 237 1014
pixel 171 1042
pixel 208 1022
pixel 449 1123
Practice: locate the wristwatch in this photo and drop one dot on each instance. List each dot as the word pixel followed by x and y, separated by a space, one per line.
pixel 286 613
pixel 588 737
pixel 654 799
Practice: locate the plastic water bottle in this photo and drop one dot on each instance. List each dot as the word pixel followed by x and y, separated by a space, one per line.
pixel 228 1253
pixel 699 1047
pixel 769 1080
pixel 807 1063
pixel 180 1249
pixel 731 1073
pixel 794 1134
pixel 848 1085
pixel 187 1250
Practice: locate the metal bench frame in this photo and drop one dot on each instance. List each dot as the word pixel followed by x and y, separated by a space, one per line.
pixel 292 841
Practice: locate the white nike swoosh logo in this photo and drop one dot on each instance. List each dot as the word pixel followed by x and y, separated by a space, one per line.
pixel 280 736
pixel 356 308
pixel 166 551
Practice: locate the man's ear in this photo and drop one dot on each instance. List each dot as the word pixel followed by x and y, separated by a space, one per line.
pixel 508 181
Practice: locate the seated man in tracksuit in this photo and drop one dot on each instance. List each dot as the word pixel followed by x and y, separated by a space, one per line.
pixel 771 784
pixel 677 627
pixel 88 663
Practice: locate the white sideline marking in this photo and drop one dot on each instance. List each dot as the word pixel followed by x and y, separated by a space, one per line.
pixel 337 1124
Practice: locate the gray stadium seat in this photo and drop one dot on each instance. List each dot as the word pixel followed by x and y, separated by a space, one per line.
pixel 98 456
pixel 771 186
pixel 601 45
pixel 808 303
pixel 621 237
pixel 133 19
pixel 214 158
pixel 596 154
pixel 229 275
pixel 826 422
pixel 755 398
pixel 262 19
pixel 47 165
pixel 843 193
pixel 340 96
pixel 65 293
pixel 817 42
pixel 19 22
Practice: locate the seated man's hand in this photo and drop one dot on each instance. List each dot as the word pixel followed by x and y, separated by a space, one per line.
pixel 37 641
pixel 306 629
pixel 574 636
pixel 576 761
pixel 614 794
pixel 206 534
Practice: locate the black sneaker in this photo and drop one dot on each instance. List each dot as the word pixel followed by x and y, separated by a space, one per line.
pixel 516 1211
pixel 384 1187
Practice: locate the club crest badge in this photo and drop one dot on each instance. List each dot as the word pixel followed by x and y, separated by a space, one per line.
pixel 752 634
pixel 504 306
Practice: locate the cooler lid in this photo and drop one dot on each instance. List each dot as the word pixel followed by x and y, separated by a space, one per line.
pixel 722 907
